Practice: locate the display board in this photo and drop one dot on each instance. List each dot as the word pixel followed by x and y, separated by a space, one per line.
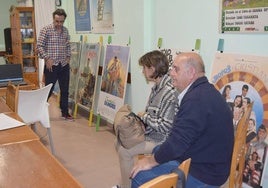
pixel 74 66
pixel 244 16
pixel 237 71
pixel 87 75
pixel 113 80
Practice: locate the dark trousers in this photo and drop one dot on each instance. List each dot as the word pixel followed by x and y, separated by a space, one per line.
pixel 62 75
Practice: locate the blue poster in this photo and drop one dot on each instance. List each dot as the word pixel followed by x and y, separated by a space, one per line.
pixel 82 16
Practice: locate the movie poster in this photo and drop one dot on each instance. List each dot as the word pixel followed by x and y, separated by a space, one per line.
pixel 82 16
pixel 113 80
pixel 87 75
pixel 247 16
pixel 74 66
pixel 102 16
pixel 171 53
pixel 242 79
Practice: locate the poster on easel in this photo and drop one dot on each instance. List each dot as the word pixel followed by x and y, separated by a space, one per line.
pixel 74 66
pixel 113 80
pixel 172 52
pixel 242 79
pixel 87 75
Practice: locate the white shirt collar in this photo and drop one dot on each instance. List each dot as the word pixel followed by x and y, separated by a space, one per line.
pixel 181 95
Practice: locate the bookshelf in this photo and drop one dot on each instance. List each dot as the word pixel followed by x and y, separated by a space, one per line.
pixel 23 36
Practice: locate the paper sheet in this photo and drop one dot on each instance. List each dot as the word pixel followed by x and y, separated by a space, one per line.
pixel 7 122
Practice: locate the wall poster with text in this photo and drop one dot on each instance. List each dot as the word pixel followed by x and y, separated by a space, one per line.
pixel 113 80
pixel 87 75
pixel 102 16
pixel 74 66
pixel 248 16
pixel 82 16
pixel 172 52
pixel 242 79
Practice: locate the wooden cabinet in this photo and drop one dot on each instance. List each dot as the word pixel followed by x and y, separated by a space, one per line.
pixel 23 36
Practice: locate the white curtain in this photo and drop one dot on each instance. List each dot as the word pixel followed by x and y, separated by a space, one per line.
pixel 43 13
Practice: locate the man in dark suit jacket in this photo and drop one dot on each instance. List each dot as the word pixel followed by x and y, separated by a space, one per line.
pixel 202 130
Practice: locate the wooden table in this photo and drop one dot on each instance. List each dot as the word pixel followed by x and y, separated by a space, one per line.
pixel 29 86
pixel 3 106
pixel 26 162
pixel 17 134
pixel 29 164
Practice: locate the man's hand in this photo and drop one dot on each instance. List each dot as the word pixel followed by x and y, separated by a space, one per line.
pixel 49 64
pixel 145 163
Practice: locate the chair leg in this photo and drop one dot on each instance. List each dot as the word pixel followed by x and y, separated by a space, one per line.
pixel 50 141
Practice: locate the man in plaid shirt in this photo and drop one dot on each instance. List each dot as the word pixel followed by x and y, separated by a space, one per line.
pixel 54 47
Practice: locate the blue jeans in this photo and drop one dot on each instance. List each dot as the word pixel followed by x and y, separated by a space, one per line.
pixel 166 168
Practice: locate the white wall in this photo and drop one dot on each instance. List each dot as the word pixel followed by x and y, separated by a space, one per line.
pixel 179 23
pixel 4 19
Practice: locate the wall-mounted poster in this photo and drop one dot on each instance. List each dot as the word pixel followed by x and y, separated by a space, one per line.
pixel 242 79
pixel 171 53
pixel 113 80
pixel 82 16
pixel 87 75
pixel 102 16
pixel 250 16
pixel 74 66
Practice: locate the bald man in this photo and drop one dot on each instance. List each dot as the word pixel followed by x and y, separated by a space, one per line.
pixel 202 130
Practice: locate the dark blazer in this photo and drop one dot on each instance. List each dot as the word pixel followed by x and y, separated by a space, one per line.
pixel 202 130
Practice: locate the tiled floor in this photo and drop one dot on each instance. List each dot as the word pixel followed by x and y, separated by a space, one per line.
pixel 88 155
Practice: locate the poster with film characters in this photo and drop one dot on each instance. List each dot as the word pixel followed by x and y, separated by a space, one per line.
pixel 87 75
pixel 74 66
pixel 242 79
pixel 113 80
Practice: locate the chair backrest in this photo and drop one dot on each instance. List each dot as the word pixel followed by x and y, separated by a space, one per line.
pixel 32 104
pixel 12 92
pixel 239 150
pixel 185 166
pixel 168 180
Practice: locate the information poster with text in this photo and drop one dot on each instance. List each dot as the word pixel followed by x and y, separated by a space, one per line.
pixel 248 16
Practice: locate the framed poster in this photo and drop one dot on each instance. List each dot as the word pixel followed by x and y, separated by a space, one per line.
pixel 246 78
pixel 87 75
pixel 102 16
pixel 113 80
pixel 244 16
pixel 82 16
pixel 74 66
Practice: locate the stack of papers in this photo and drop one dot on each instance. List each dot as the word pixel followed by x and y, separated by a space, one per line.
pixel 7 122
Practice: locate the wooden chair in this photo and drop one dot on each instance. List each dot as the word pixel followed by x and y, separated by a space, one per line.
pixel 168 180
pixel 239 151
pixel 12 93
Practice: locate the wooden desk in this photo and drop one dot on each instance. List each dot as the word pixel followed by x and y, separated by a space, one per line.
pixel 26 162
pixel 29 86
pixel 17 134
pixel 29 164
